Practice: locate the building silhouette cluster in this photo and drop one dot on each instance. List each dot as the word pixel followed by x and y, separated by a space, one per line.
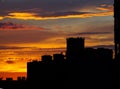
pixel 78 68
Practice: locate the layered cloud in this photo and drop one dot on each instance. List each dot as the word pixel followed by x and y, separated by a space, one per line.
pixel 104 46
pixel 14 26
pixel 12 47
pixel 26 36
pixel 91 33
pixel 49 5
pixel 45 9
pixel 10 62
pixel 57 15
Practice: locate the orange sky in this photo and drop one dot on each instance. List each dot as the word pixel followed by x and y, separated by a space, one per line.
pixel 26 33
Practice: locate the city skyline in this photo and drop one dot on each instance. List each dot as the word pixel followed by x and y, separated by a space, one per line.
pixel 80 66
pixel 26 27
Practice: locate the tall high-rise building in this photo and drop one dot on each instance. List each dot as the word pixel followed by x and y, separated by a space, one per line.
pixel 75 48
pixel 117 27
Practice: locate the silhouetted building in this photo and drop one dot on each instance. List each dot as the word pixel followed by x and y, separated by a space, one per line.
pixel 46 58
pixel 105 55
pixel 40 73
pixel 84 68
pixel 116 63
pixel 18 78
pixel 32 69
pixel 117 28
pixel 90 55
pixel 9 79
pixel 75 49
pixel 58 58
pixel 21 78
pixel 1 79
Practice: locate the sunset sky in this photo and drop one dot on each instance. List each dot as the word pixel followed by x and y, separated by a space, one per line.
pixel 30 28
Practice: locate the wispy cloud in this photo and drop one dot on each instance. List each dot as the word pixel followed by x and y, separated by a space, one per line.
pixel 104 46
pixel 39 14
pixel 10 62
pixel 13 26
pixel 90 33
pixel 62 15
pixel 12 47
pixel 105 7
pixel 26 36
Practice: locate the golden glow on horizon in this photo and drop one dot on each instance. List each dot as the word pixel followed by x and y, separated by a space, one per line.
pixel 39 45
pixel 16 61
pixel 13 65
pixel 13 68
